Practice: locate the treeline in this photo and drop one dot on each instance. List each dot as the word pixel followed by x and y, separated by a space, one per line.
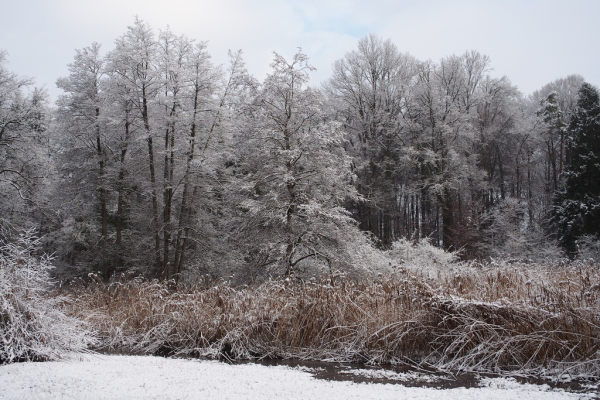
pixel 156 161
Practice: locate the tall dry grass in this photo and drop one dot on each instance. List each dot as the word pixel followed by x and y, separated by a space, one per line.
pixel 511 318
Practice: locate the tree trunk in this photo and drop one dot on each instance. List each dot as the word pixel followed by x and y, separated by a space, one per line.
pixel 448 221
pixel 120 223
pixel 151 164
pixel 168 191
pixel 102 195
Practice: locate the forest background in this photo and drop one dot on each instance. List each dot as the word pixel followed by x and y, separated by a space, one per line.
pixel 157 162
pixel 423 213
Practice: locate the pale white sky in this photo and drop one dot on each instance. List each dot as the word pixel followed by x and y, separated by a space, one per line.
pixel 533 42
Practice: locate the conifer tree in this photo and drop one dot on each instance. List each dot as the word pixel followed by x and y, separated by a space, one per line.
pixel 577 211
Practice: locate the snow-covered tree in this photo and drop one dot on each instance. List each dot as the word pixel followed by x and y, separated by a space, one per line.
pixel 577 210
pixel 82 144
pixel 439 158
pixel 81 109
pixel 24 158
pixel 554 120
pixel 295 178
pixel 369 89
pixel 552 105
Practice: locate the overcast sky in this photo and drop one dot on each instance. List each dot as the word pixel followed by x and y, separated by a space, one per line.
pixel 532 42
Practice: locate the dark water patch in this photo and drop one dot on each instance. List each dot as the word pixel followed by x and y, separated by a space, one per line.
pixel 412 377
pixel 361 373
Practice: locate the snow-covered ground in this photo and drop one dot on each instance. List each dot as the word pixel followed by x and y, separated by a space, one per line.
pixel 134 377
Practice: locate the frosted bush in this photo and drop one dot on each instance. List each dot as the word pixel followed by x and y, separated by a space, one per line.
pixel 32 325
pixel 588 247
pixel 421 254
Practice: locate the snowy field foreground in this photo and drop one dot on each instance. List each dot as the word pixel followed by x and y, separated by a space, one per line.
pixel 135 377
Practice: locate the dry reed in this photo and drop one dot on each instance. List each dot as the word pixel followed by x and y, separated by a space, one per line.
pixel 515 318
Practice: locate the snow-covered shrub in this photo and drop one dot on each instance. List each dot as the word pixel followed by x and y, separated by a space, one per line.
pixel 510 234
pixel 588 247
pixel 421 254
pixel 32 325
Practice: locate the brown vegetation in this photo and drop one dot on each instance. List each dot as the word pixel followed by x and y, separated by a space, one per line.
pixel 510 318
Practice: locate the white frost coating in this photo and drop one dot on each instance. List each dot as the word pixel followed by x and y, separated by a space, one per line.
pixel 391 375
pixel 511 383
pixel 129 377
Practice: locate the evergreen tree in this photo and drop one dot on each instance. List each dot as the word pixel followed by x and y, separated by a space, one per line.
pixel 577 210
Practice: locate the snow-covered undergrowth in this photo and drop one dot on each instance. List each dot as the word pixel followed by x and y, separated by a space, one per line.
pixel 32 325
pixel 504 319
